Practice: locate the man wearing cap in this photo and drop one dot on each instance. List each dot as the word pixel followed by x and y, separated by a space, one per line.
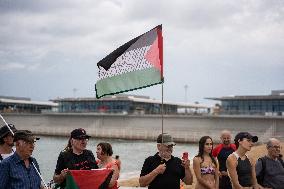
pixel 6 141
pixel 270 168
pixel 241 168
pixel 164 170
pixel 74 157
pixel 19 171
pixel 221 152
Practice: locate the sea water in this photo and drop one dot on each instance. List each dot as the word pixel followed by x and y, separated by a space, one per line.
pixel 132 153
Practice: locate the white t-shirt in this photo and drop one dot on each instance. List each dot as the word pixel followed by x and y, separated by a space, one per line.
pixel 7 155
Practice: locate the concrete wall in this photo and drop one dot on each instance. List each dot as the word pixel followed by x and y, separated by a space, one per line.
pixel 183 128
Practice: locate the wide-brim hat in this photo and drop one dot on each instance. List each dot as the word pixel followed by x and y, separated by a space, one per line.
pixel 25 135
pixel 4 130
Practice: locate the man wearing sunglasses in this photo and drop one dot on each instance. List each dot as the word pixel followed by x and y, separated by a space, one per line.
pixel 164 170
pixel 270 168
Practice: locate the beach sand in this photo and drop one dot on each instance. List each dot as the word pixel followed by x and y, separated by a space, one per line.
pixel 256 152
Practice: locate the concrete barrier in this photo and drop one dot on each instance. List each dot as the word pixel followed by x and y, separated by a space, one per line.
pixel 147 127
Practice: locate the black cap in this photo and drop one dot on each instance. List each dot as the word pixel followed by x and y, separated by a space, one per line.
pixel 79 134
pixel 25 135
pixel 247 135
pixel 4 130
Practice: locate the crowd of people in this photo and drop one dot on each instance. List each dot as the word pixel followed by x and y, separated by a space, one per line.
pixel 223 166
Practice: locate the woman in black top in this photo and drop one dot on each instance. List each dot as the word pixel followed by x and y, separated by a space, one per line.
pixel 240 167
pixel 74 157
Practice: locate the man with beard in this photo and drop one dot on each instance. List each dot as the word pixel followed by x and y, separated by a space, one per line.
pixel 270 168
pixel 164 170
pixel 20 170
pixel 6 141
pixel 74 157
pixel 222 151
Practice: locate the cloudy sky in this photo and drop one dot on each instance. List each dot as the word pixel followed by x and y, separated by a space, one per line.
pixel 217 48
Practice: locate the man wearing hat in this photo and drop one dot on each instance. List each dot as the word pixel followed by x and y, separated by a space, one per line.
pixel 74 157
pixel 19 171
pixel 164 170
pixel 6 141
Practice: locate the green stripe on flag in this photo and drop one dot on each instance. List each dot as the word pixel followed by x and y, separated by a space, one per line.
pixel 70 182
pixel 128 81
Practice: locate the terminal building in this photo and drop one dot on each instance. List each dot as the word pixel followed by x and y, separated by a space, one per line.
pixel 126 104
pixel 268 105
pixel 9 104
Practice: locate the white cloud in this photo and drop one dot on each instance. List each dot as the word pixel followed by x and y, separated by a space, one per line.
pixel 207 44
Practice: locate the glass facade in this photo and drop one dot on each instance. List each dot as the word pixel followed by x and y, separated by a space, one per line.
pixel 253 106
pixel 23 108
pixel 114 106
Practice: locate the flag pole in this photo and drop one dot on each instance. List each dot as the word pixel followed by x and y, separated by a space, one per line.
pixel 32 162
pixel 7 125
pixel 162 111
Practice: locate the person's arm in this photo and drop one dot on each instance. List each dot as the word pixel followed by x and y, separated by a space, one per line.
pixel 4 175
pixel 217 174
pixel 231 166
pixel 59 178
pixel 147 179
pixel 60 171
pixel 188 178
pixel 253 175
pixel 196 168
pixel 115 176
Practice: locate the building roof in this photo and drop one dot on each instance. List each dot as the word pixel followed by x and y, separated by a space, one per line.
pixel 133 98
pixel 39 103
pixel 259 97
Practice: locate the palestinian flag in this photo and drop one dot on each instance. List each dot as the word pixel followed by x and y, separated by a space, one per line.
pixel 136 64
pixel 88 179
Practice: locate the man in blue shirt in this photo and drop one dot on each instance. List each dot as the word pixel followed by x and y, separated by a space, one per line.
pixel 19 171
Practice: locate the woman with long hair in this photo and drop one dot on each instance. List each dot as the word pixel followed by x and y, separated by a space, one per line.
pixel 241 168
pixel 75 156
pixel 105 160
pixel 205 166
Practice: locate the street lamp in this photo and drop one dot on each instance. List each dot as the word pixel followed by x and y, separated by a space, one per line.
pixel 185 96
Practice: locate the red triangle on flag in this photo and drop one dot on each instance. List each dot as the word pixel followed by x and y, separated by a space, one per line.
pixel 152 55
pixel 90 179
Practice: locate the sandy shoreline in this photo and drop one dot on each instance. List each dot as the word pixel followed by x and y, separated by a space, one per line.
pixel 256 152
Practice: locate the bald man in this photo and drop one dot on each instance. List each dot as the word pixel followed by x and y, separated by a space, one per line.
pixel 270 168
pixel 222 151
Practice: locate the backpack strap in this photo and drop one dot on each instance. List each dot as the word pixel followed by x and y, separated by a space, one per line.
pixel 260 176
pixel 281 160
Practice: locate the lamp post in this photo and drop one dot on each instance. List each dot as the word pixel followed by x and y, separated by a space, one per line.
pixel 74 92
pixel 185 96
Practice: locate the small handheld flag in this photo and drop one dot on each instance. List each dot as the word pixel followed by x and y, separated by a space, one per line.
pixel 136 64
